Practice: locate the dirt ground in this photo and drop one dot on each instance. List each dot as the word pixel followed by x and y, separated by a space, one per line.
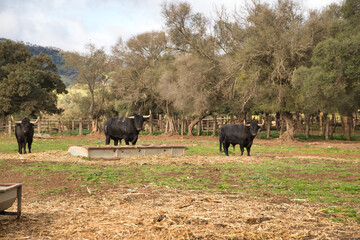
pixel 153 212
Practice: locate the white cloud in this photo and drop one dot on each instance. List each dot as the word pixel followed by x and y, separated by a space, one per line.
pixel 69 24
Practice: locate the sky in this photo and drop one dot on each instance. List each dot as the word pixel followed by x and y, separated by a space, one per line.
pixel 72 24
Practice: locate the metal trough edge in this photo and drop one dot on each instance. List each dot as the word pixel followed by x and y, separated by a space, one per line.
pixel 117 152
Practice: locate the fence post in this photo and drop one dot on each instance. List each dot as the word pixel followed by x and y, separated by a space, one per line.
pixel 182 125
pixel 39 126
pixel 160 123
pixel 80 126
pixel 151 125
pixel 60 130
pixel 9 129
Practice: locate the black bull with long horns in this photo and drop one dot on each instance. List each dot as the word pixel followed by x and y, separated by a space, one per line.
pixel 242 134
pixel 24 133
pixel 127 128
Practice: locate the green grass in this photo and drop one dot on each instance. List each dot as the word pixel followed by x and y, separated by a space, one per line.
pixel 39 145
pixel 333 183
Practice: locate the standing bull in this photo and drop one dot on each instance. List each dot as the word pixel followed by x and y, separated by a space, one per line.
pixel 24 133
pixel 242 134
pixel 127 128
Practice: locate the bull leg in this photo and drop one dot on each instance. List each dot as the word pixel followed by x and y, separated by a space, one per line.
pixel 19 147
pixel 126 140
pixel 221 140
pixel 226 148
pixel 24 147
pixel 134 140
pixel 248 151
pixel 116 141
pixel 29 146
pixel 242 149
pixel 107 141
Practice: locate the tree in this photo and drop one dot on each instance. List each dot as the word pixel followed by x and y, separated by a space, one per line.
pixel 140 62
pixel 335 71
pixel 94 70
pixel 199 71
pixel 28 84
pixel 275 45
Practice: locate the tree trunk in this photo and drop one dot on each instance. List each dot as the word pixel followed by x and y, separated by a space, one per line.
pixel 170 125
pixel 195 121
pixel 95 125
pixel 347 122
pixel 327 125
pixel 307 126
pixel 268 125
pixel 288 135
pixel 335 125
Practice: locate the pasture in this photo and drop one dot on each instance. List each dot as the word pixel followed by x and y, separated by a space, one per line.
pixel 295 190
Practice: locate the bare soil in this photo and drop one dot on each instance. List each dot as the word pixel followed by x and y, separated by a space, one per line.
pixel 153 212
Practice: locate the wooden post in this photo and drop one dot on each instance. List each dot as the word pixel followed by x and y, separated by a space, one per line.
pixel 182 126
pixel 49 125
pixel 80 126
pixel 60 127
pixel 198 128
pixel 151 125
pixel 9 129
pixel 160 123
pixel 18 196
pixel 39 127
pixel 72 125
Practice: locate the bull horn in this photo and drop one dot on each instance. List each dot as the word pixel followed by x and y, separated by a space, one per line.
pixel 12 119
pixel 127 114
pixel 247 125
pixel 37 120
pixel 147 116
pixel 262 124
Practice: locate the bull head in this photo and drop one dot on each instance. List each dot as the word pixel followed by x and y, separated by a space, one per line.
pixel 260 125
pixel 133 117
pixel 33 122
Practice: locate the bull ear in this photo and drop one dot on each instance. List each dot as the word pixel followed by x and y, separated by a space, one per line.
pixel 262 124
pixel 37 120
pixel 12 119
pixel 247 125
pixel 147 116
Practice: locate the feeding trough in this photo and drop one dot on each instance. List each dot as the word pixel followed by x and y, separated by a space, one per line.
pixel 117 152
pixel 8 193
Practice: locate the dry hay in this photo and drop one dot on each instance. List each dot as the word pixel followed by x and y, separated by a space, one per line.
pixel 151 212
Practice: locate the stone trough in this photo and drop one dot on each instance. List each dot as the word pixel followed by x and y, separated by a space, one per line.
pixel 9 192
pixel 118 152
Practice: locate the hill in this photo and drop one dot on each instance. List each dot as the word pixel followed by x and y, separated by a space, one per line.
pixel 68 75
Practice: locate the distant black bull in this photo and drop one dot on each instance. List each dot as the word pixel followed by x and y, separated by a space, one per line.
pixel 24 133
pixel 127 128
pixel 242 134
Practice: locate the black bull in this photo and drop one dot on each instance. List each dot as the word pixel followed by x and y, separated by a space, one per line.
pixel 127 128
pixel 24 133
pixel 242 134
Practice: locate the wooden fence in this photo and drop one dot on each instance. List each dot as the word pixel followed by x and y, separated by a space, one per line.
pixel 208 126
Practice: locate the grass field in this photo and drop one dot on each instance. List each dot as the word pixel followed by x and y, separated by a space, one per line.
pixel 323 175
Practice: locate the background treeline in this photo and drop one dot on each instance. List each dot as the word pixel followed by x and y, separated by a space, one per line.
pixel 274 60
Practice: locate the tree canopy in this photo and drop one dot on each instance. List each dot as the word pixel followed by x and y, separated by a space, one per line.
pixel 28 84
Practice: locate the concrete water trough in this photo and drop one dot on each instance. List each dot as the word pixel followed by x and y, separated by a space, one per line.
pixel 8 193
pixel 117 152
